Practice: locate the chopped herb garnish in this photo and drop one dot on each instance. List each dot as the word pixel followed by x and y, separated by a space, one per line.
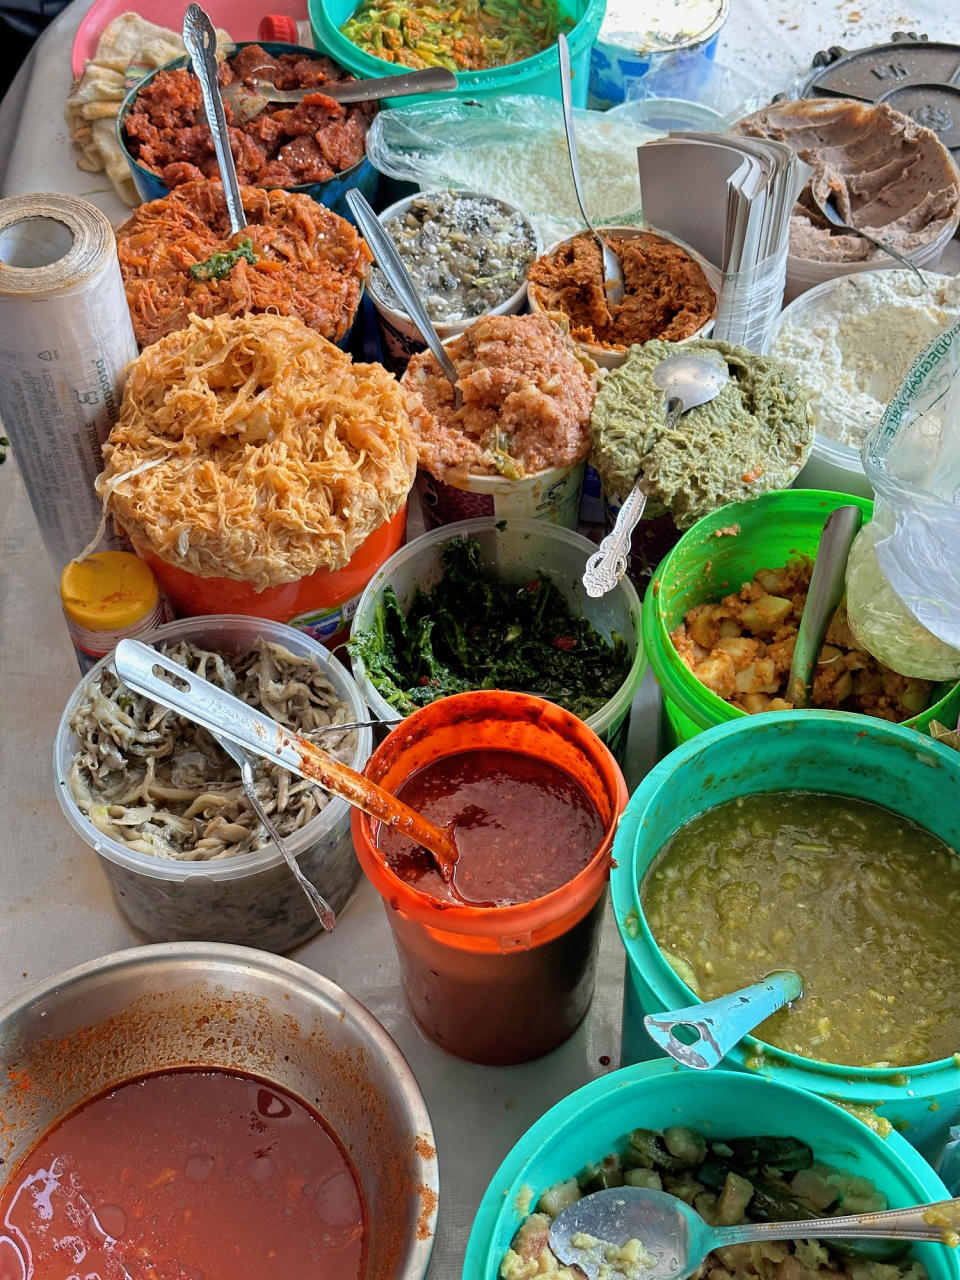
pixel 475 631
pixel 219 265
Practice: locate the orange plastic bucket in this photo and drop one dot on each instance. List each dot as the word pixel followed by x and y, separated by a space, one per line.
pixel 322 603
pixel 497 985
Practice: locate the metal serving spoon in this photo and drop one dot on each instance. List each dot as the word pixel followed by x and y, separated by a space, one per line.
pixel 200 38
pixel 678 1238
pixel 165 681
pixel 686 381
pixel 708 1031
pixel 325 912
pixel 828 208
pixel 391 264
pixel 612 270
pixel 823 595
pixel 245 103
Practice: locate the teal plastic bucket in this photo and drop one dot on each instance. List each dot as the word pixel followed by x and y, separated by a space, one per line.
pixel 594 1121
pixel 826 751
pixel 539 74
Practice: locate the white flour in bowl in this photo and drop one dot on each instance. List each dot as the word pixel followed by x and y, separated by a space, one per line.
pixel 852 350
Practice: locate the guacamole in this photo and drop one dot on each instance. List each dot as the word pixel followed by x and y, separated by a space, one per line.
pixel 754 436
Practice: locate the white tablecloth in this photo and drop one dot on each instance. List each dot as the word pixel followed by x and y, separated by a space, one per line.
pixel 55 908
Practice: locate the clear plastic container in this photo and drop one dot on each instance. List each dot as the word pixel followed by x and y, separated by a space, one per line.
pixel 252 899
pixel 518 550
pixel 497 985
pixel 804 274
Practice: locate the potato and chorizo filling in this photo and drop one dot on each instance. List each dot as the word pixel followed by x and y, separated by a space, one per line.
pixel 741 649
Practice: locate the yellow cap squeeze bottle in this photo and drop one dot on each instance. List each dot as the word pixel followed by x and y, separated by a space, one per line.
pixel 107 597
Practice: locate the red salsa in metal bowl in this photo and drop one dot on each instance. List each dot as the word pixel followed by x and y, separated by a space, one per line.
pixel 193 1174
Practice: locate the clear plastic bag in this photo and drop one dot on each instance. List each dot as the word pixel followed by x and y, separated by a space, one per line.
pixel 903 589
pixel 690 77
pixel 514 148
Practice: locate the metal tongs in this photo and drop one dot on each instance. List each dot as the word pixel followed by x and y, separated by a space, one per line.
pixel 246 729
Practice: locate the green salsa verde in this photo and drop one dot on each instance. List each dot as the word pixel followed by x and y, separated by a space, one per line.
pixel 860 901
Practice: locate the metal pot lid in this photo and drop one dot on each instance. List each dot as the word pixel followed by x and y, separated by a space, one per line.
pixel 911 74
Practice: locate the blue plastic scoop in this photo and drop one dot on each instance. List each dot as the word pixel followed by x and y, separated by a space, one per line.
pixel 702 1035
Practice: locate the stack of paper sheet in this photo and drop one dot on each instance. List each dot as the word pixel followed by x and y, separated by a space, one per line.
pixel 730 199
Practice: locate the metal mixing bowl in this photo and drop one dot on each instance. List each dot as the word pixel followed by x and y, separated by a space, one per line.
pixel 206 1004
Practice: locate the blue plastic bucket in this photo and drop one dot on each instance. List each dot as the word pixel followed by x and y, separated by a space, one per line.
pixel 539 74
pixel 826 751
pixel 594 1121
pixel 613 63
pixel 332 192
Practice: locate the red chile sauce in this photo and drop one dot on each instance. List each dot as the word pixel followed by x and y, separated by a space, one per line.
pixel 185 1175
pixel 522 827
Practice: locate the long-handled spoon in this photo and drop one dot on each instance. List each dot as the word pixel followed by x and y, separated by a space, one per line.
pixel 325 913
pixel 828 207
pixel 686 382
pixel 823 595
pixel 200 38
pixel 678 1239
pixel 391 264
pixel 710 1030
pixel 245 103
pixel 165 681
pixel 612 269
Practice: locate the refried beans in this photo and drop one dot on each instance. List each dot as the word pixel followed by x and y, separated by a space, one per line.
pixel 167 131
pixel 665 292
pixel 527 398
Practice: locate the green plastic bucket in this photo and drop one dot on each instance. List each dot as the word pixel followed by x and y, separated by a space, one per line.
pixel 828 751
pixel 593 1121
pixel 709 562
pixel 539 74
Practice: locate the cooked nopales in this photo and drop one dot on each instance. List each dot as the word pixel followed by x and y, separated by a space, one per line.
pixel 159 784
pixel 251 448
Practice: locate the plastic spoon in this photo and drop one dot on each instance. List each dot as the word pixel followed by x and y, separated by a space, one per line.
pixel 245 103
pixel 612 270
pixel 679 1239
pixel 166 682
pixel 686 382
pixel 713 1028
pixel 391 264
pixel 823 595
pixel 828 207
pixel 323 909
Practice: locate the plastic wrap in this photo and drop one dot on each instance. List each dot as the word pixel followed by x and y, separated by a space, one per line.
pixel 750 302
pixel 514 148
pixel 692 78
pixel 903 589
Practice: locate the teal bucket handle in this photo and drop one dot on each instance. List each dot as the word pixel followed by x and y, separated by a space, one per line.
pixel 712 1029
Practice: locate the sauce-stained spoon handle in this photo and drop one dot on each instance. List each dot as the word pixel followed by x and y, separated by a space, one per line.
pixel 173 686
pixel 200 39
pixel 391 264
pixel 717 1025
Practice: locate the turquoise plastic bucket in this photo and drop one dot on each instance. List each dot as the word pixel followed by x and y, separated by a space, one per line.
pixel 594 1120
pixel 828 751
pixel 539 74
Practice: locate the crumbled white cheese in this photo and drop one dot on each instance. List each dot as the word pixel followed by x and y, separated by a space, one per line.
pixel 852 351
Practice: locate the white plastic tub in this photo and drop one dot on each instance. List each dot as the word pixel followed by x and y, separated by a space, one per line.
pixel 399 336
pixel 517 550
pixel 606 357
pixel 253 898
pixel 832 465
